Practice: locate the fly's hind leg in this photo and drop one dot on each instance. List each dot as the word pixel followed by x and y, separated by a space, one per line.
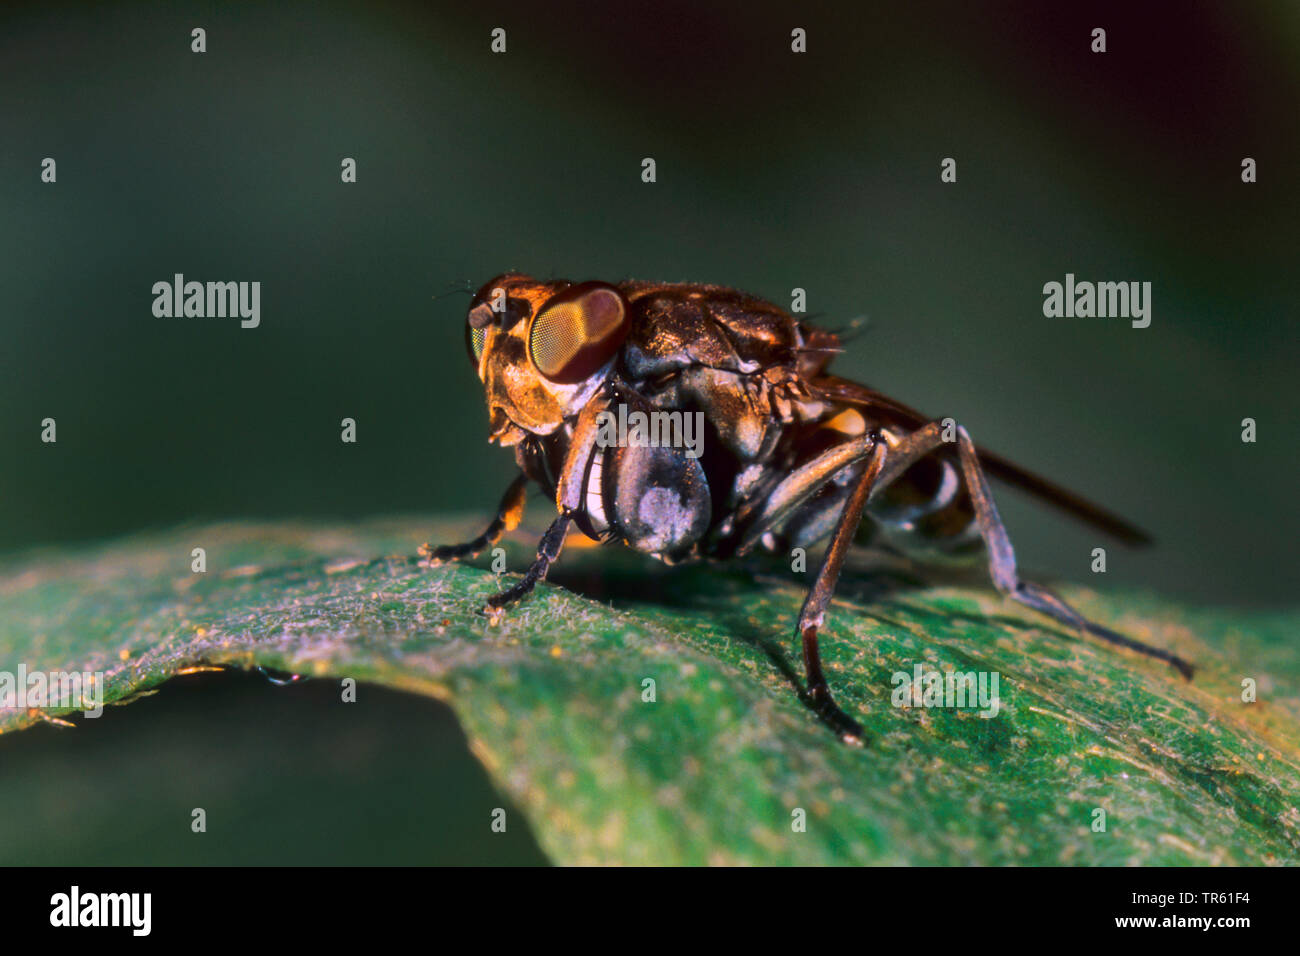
pixel 509 513
pixel 1002 566
pixel 885 464
pixel 1002 559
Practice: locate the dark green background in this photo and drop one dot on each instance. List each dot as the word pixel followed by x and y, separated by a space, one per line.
pixel 774 171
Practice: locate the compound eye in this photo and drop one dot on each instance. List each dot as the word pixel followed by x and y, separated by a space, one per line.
pixel 476 325
pixel 577 332
pixel 474 339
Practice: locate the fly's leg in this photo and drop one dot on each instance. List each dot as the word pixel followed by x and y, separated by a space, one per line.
pixel 884 466
pixel 568 497
pixel 509 513
pixel 1002 566
pixel 547 551
pixel 813 613
pixel 1002 559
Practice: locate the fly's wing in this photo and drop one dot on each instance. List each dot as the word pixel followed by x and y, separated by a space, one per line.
pixel 886 411
pixel 1063 499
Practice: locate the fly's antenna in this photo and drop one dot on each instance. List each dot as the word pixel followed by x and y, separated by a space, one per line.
pixel 846 332
pixel 463 287
pixel 827 340
pixel 856 328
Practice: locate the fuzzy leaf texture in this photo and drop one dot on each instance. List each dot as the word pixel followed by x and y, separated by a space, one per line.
pixel 713 770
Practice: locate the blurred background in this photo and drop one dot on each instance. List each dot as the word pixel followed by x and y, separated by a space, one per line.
pixel 775 171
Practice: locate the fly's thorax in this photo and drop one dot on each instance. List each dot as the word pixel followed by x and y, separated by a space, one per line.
pixel 927 512
pixel 749 414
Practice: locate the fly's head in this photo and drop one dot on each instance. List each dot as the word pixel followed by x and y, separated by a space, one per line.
pixel 542 349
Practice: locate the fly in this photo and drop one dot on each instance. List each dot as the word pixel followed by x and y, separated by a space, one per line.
pixel 789 455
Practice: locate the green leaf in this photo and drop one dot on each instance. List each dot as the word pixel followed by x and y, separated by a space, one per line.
pixel 713 770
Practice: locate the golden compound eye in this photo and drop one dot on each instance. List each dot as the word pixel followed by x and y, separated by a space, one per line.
pixel 577 332
pixel 474 339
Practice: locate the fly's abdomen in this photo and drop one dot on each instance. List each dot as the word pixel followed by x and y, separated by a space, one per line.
pixel 926 512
